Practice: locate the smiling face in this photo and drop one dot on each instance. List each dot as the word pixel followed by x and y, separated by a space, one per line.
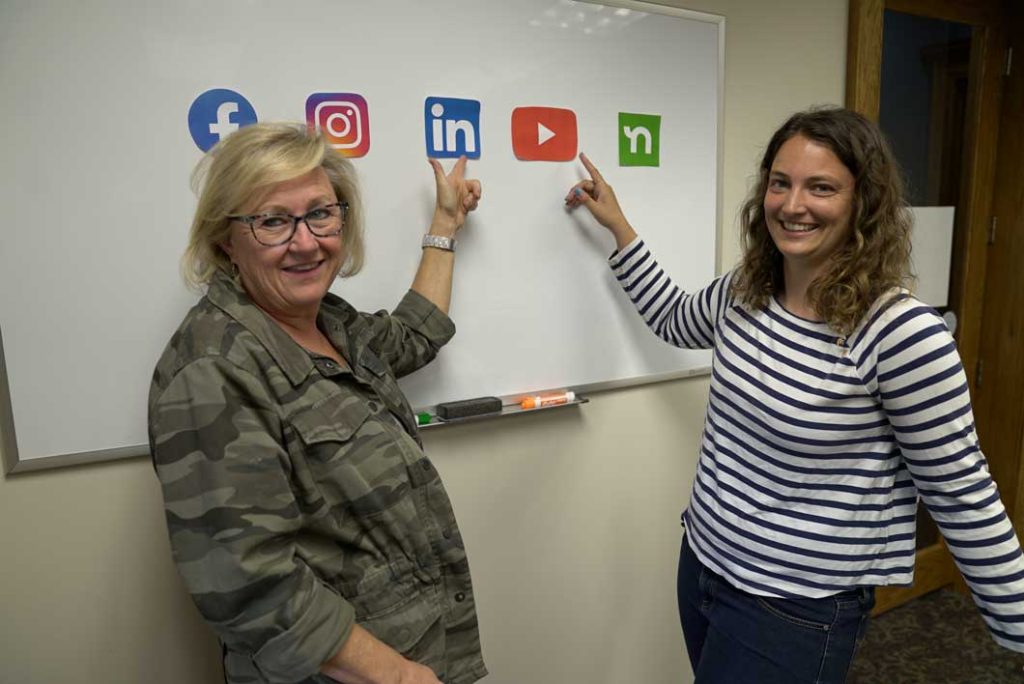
pixel 808 204
pixel 288 281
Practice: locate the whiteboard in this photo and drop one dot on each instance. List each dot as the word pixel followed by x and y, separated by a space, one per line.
pixel 97 156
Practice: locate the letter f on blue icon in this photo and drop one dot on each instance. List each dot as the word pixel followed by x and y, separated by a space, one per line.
pixel 217 113
pixel 452 127
pixel 222 126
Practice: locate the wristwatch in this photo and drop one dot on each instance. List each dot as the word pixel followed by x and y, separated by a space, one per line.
pixel 439 242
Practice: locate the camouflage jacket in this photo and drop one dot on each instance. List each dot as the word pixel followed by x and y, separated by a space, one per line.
pixel 297 495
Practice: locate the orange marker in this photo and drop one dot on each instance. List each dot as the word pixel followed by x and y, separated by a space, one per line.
pixel 547 400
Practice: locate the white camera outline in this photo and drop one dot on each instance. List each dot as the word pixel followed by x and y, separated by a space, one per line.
pixel 348 106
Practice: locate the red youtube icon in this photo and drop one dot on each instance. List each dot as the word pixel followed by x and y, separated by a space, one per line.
pixel 544 134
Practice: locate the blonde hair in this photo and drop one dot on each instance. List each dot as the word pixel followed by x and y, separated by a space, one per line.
pixel 875 258
pixel 246 165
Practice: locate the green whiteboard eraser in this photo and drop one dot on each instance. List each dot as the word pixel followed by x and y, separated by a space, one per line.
pixel 469 407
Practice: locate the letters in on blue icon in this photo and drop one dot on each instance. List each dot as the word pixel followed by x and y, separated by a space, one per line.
pixel 215 114
pixel 452 127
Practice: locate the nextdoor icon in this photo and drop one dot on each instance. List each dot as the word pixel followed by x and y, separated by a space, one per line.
pixel 639 139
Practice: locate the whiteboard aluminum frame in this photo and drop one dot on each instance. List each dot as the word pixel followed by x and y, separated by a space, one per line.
pixel 12 463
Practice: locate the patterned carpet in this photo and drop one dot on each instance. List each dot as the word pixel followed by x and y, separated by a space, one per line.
pixel 938 638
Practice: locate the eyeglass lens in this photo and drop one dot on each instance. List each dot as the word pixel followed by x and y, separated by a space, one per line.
pixel 277 229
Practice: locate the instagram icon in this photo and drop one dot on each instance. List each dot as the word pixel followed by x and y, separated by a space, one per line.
pixel 343 120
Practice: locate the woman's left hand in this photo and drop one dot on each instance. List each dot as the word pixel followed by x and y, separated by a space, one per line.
pixel 456 197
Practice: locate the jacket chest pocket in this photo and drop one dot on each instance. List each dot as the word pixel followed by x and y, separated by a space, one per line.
pixel 345 458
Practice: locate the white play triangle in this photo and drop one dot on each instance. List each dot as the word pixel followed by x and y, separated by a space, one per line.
pixel 544 133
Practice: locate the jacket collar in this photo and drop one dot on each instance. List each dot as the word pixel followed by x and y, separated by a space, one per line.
pixel 228 295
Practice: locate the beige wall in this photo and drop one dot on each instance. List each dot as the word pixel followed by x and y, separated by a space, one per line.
pixel 571 517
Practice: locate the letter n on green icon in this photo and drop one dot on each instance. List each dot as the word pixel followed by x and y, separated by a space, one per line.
pixel 639 139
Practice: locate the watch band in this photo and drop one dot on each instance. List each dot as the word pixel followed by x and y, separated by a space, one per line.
pixel 439 242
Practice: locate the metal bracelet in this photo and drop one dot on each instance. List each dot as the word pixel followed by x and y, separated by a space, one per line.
pixel 439 242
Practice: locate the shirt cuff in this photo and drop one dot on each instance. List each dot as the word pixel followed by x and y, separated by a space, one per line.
pixel 421 314
pixel 622 256
pixel 312 639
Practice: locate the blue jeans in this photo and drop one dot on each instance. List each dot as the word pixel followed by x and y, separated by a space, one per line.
pixel 733 637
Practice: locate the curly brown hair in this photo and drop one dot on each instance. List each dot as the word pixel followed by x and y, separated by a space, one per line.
pixel 876 257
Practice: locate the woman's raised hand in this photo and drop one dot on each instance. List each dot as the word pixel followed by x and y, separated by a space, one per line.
pixel 599 198
pixel 456 197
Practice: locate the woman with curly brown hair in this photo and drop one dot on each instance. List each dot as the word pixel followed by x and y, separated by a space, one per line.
pixel 837 400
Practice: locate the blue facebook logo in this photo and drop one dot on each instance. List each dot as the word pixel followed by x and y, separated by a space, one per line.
pixel 452 127
pixel 215 114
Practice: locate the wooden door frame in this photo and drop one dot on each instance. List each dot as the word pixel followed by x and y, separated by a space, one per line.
pixel 999 409
pixel 935 566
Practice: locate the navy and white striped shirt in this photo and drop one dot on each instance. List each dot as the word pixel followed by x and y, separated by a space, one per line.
pixel 816 448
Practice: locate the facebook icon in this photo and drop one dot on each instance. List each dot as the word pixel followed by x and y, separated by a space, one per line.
pixel 215 114
pixel 452 127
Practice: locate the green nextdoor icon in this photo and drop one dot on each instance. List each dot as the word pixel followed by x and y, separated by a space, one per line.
pixel 639 139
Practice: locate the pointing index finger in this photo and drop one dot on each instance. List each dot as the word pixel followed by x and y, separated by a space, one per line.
pixel 591 169
pixel 459 170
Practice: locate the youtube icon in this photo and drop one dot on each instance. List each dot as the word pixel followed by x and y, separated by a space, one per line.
pixel 544 134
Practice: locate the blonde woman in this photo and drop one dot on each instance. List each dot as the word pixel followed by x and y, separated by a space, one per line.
pixel 312 531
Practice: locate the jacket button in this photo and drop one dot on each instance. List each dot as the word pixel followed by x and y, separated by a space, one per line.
pixel 425 464
pixel 447 534
pixel 460 597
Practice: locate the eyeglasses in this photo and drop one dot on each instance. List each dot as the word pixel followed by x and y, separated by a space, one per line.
pixel 272 230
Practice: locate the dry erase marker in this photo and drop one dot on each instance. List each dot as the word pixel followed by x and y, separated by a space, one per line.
pixel 547 400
